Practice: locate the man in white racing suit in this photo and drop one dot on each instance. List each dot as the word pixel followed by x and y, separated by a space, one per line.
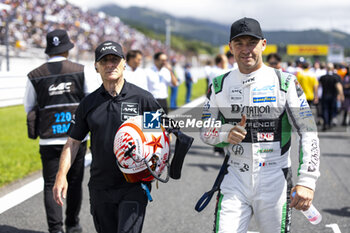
pixel 258 107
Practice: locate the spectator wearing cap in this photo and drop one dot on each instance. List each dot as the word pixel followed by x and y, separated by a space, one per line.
pixel 133 72
pixel 160 77
pixel 53 92
pixel 116 205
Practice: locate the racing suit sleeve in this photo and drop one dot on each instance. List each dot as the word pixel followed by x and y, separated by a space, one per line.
pixel 300 115
pixel 210 133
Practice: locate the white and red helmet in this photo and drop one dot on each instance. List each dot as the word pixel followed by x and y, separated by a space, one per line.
pixel 141 155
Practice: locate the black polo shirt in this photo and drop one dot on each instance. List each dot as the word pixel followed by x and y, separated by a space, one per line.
pixel 101 114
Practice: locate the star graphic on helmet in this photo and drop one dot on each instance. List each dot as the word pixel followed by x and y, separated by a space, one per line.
pixel 155 143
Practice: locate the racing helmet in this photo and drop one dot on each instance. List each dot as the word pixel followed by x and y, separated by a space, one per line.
pixel 142 155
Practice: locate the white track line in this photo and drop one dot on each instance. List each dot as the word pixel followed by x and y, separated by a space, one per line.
pixel 334 227
pixel 27 191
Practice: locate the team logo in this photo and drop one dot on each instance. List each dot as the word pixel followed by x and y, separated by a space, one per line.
pixel 237 149
pixel 236 94
pixel 265 137
pixel 265 90
pixel 313 164
pixel 264 99
pixel 56 41
pixel 245 168
pixel 206 106
pixel 151 120
pixel 250 111
pixel 129 110
pixel 211 133
pixel 264 150
pixel 248 81
pixel 60 88
pixel 303 104
pixel 206 116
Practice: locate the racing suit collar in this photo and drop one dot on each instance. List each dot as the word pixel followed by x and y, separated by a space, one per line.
pixel 248 79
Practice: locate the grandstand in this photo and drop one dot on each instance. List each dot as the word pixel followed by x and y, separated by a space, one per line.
pixel 31 20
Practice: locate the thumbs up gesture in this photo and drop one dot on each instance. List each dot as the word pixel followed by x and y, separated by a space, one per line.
pixel 238 133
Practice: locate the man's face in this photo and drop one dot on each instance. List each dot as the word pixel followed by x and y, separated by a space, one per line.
pixel 110 67
pixel 135 62
pixel 274 63
pixel 161 61
pixel 248 52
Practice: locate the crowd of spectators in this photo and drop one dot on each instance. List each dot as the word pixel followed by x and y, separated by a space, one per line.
pixel 31 20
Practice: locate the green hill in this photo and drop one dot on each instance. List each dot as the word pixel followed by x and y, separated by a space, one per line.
pixel 215 33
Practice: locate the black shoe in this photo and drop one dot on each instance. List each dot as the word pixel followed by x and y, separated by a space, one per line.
pixel 74 229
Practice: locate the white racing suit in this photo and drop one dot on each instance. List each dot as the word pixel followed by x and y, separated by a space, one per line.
pixel 259 175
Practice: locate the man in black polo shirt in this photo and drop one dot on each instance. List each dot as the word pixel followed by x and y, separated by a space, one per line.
pixel 116 206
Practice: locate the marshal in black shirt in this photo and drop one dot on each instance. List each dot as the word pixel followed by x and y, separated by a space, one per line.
pixel 102 114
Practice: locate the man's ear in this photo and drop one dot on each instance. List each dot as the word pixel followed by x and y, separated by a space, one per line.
pixel 230 45
pixel 96 67
pixel 264 45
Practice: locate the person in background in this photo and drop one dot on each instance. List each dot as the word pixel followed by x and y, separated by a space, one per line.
pixel 340 69
pixel 309 83
pixel 55 89
pixel 189 82
pixel 115 205
pixel 220 68
pixel 232 64
pixel 290 67
pixel 346 103
pixel 173 89
pixel 207 70
pixel 160 76
pixel 319 69
pixel 133 72
pixel 331 95
pixel 274 60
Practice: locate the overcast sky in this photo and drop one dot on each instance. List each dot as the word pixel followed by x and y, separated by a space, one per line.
pixel 272 14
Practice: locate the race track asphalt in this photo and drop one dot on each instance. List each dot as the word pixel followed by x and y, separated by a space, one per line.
pixel 172 210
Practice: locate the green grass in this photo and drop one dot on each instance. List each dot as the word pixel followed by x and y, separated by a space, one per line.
pixel 198 89
pixel 19 155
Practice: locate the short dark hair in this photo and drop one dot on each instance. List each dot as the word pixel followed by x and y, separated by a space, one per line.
pixel 157 55
pixel 275 56
pixel 218 59
pixel 229 54
pixel 132 54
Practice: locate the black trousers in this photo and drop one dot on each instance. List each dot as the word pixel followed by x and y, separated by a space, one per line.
pixel 50 157
pixel 119 210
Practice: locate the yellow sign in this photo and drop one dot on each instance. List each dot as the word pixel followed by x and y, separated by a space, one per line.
pixel 307 50
pixel 270 48
pixel 226 49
